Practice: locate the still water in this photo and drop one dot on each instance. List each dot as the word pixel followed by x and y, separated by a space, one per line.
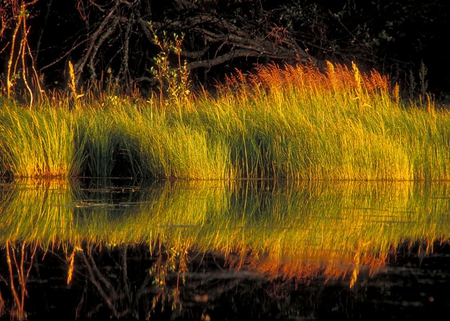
pixel 224 250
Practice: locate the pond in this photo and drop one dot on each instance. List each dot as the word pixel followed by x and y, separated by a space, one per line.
pixel 224 250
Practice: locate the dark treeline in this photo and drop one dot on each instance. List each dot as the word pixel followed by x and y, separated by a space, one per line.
pixel 112 40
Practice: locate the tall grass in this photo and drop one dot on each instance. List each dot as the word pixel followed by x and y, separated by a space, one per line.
pixel 290 122
pixel 39 143
pixel 299 123
pixel 103 143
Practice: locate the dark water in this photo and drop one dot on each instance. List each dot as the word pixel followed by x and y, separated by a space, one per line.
pixel 146 281
pixel 409 288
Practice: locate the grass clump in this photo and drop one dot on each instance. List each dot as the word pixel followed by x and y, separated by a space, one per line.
pixel 299 123
pixel 290 122
pixel 39 143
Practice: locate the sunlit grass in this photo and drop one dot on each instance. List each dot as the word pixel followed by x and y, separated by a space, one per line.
pixel 299 123
pixel 292 123
pixel 39 143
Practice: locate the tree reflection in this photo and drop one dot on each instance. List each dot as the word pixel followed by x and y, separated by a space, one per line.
pixel 19 260
pixel 141 282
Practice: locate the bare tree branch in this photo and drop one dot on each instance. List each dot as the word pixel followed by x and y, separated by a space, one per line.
pixel 93 39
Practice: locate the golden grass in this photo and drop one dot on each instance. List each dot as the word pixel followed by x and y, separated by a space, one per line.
pixel 290 122
pixel 39 143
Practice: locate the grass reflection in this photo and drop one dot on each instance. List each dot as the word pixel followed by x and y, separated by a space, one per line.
pixel 301 230
pixel 34 211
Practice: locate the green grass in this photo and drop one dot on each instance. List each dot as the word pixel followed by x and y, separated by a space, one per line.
pixel 294 123
pixel 39 143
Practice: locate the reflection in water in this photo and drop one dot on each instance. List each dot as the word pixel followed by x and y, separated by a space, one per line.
pixel 19 260
pixel 172 246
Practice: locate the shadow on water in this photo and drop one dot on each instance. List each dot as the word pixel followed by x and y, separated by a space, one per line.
pixel 258 250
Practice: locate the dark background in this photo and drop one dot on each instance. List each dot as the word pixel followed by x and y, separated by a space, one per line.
pixel 109 40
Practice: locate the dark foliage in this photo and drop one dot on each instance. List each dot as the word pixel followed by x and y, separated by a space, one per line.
pixel 110 40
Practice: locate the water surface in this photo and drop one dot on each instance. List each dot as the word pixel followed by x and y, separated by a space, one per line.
pixel 223 250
